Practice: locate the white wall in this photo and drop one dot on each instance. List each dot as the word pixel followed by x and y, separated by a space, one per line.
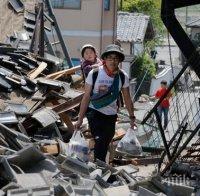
pixel 167 75
pixel 126 46
pixel 90 24
pixel 127 68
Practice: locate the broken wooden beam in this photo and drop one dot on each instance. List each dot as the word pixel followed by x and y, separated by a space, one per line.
pixel 119 134
pixel 37 71
pixel 66 119
pixel 66 106
pixel 146 161
pixel 64 72
pixel 50 149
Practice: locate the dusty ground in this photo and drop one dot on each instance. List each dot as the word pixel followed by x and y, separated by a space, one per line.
pixel 10 21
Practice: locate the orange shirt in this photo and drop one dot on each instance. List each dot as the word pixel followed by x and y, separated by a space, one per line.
pixel 159 93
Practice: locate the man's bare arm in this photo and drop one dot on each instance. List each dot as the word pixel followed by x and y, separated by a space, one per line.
pixel 128 101
pixel 129 105
pixel 84 105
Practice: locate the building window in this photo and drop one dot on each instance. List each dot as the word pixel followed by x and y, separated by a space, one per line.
pixel 69 4
pixel 107 4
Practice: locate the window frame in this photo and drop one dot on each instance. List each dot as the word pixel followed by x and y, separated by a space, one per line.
pixel 106 8
pixel 64 7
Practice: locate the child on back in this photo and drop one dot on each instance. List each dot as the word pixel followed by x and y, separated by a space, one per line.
pixel 90 59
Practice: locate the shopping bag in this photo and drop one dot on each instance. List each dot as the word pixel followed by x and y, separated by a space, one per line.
pixel 78 146
pixel 129 143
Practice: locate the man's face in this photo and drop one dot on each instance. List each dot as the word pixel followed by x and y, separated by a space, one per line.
pixel 112 62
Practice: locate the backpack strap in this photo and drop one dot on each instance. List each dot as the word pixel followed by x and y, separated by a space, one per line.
pixel 95 74
pixel 94 78
pixel 122 77
pixel 120 101
pixel 83 73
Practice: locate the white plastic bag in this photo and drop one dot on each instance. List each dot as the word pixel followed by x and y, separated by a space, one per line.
pixel 129 143
pixel 78 146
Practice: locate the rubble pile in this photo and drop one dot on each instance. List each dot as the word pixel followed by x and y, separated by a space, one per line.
pixel 41 167
pixel 35 128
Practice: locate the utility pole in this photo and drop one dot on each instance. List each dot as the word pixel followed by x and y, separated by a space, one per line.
pixel 186 16
pixel 101 30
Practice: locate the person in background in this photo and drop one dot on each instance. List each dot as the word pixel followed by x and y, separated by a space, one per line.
pixel 90 59
pixel 99 102
pixel 163 108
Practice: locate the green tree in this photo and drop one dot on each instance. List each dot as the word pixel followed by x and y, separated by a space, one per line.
pixel 142 64
pixel 143 69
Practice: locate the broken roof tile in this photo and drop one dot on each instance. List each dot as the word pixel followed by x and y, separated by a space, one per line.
pixel 131 27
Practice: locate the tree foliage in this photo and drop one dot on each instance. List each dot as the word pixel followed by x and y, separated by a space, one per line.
pixel 142 64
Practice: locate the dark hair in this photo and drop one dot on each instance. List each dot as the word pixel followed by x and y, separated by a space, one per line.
pixel 87 47
pixel 116 53
pixel 163 82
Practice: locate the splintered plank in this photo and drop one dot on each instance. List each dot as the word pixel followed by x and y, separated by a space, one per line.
pixel 118 191
pixel 64 72
pixel 146 160
pixel 65 117
pixel 37 71
pixel 68 105
pixel 50 149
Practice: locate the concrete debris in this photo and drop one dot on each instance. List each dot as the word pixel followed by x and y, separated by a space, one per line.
pixel 118 191
pixel 17 108
pixel 30 180
pixel 8 118
pixel 45 116
pixel 145 192
pixel 40 190
pixel 74 165
pixel 26 157
pixel 17 5
pixel 101 182
pixel 9 186
pixel 179 189
pixel 2 193
pixel 128 168
pixel 95 173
